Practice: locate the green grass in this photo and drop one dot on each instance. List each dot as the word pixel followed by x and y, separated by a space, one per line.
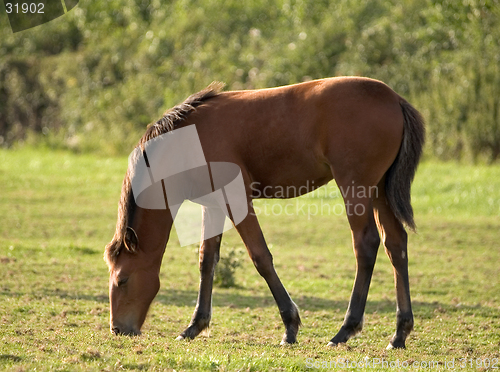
pixel 58 210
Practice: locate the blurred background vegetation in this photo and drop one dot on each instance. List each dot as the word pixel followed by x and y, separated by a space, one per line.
pixel 93 79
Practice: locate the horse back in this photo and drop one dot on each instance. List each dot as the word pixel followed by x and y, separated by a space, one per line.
pixel 304 133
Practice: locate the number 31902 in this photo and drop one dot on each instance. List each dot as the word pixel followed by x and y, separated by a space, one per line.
pixel 25 8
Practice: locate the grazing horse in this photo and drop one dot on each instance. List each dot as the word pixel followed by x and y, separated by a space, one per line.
pixel 355 130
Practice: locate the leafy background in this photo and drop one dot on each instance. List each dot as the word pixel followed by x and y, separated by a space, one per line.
pixel 93 79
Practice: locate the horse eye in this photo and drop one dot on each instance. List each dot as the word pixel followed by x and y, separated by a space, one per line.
pixel 122 282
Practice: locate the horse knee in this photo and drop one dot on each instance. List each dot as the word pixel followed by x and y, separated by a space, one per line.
pixel 263 263
pixel 207 263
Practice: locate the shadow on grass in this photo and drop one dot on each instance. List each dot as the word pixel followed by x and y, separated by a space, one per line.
pixel 240 300
pixel 57 293
pixel 9 358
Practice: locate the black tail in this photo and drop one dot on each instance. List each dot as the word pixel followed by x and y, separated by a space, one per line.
pixel 400 174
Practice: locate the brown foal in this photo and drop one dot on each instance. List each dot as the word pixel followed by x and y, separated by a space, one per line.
pixel 354 130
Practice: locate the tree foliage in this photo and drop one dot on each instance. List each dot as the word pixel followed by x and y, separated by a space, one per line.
pixel 94 78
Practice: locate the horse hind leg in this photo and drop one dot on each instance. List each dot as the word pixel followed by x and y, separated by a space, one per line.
pixel 395 240
pixel 366 241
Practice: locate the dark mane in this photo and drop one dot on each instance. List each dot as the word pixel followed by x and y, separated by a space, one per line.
pixel 126 208
pixel 173 117
pixel 171 120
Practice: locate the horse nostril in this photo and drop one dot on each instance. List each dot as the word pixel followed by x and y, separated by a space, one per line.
pixel 115 331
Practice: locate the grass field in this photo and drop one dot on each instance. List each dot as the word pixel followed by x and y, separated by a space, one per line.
pixel 58 210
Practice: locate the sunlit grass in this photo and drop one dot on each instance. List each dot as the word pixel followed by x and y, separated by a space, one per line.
pixel 58 210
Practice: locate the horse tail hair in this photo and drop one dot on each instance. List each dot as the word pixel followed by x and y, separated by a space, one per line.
pixel 402 171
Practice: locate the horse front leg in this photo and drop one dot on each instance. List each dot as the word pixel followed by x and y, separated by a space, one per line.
pixel 251 234
pixel 209 256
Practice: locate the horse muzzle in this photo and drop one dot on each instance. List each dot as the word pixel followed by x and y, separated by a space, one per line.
pixel 125 331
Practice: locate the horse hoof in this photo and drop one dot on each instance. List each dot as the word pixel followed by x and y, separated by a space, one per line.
pixel 179 338
pixel 285 342
pixel 392 347
pixel 288 340
pixel 336 344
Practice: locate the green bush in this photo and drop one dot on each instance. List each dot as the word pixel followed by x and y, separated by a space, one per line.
pixel 225 270
pixel 93 79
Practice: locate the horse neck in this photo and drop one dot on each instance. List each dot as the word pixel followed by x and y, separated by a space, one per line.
pixel 153 229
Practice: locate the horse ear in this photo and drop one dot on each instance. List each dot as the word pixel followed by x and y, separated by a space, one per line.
pixel 131 240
